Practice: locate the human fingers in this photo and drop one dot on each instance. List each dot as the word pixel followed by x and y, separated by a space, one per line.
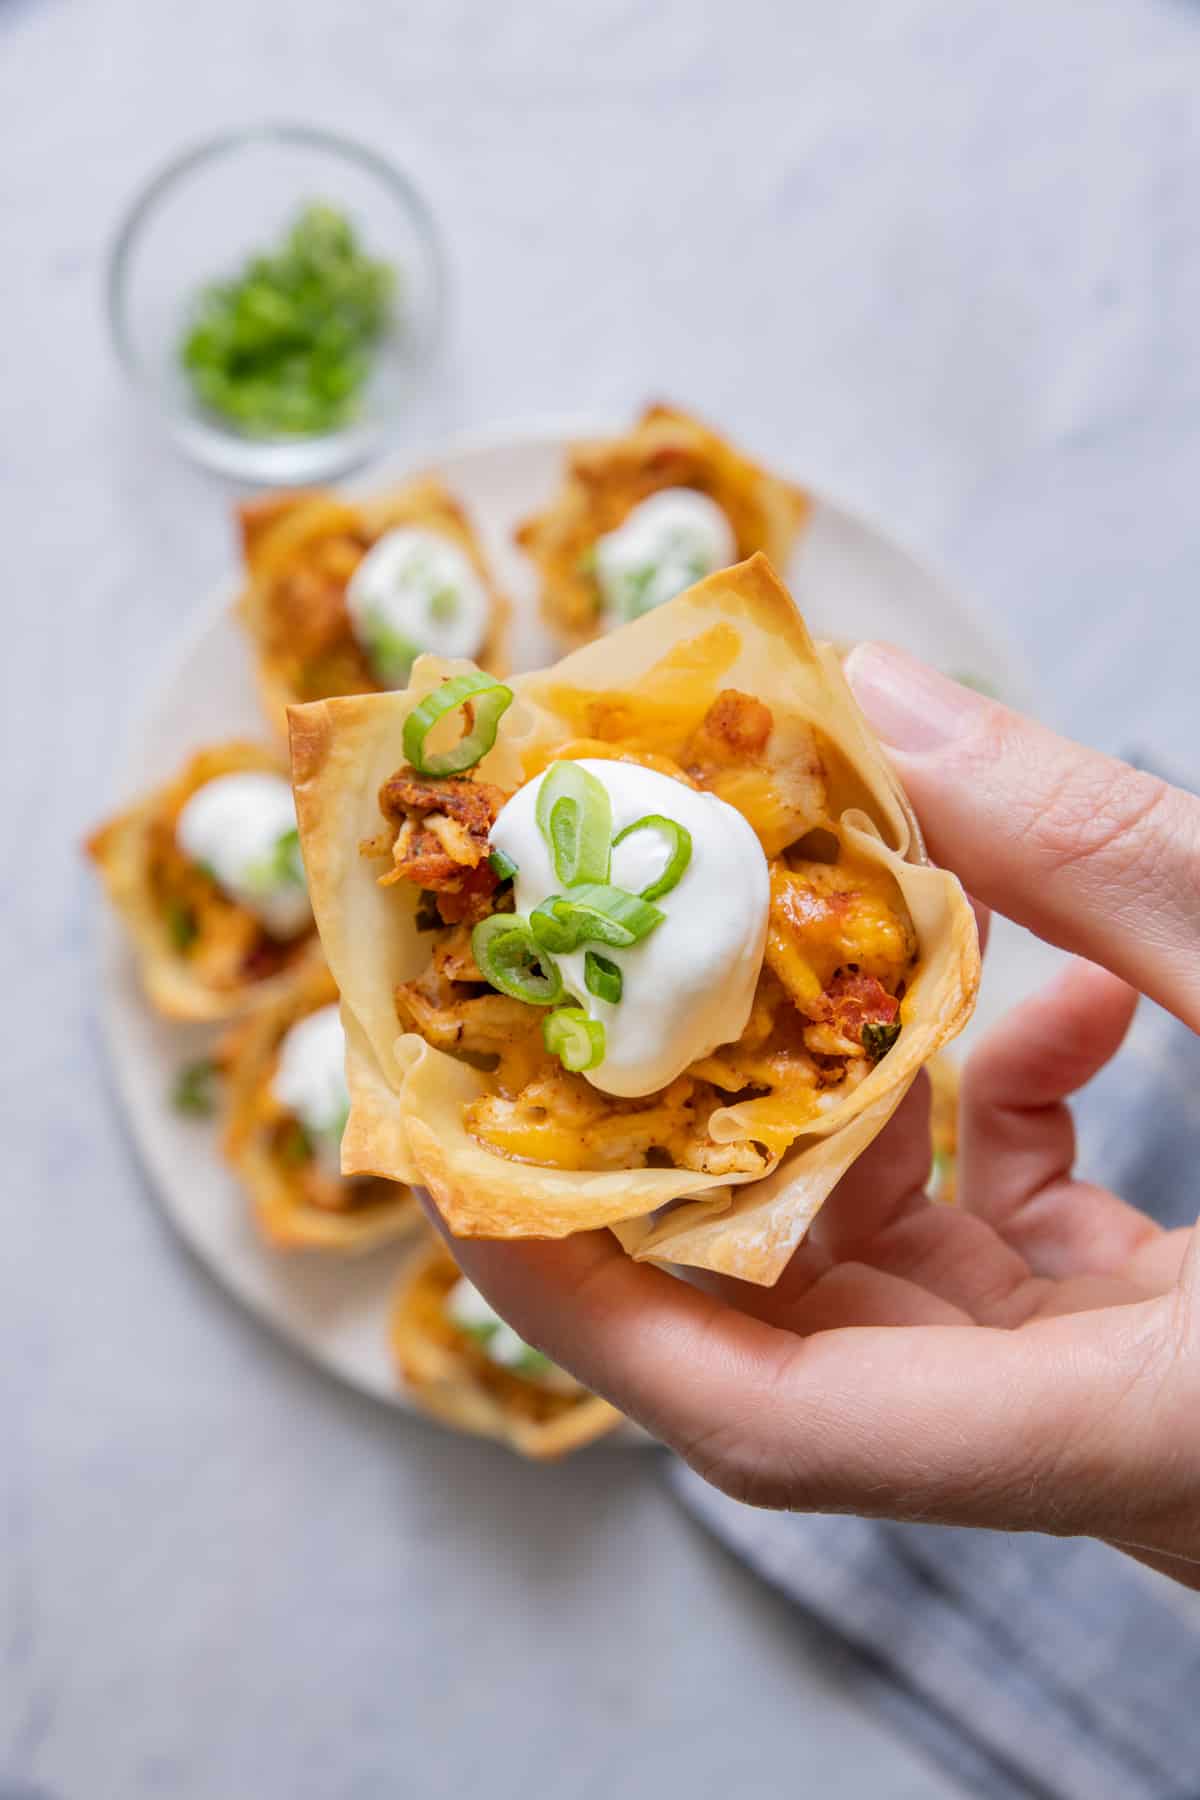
pixel 1017 1144
pixel 1089 853
pixel 1041 1428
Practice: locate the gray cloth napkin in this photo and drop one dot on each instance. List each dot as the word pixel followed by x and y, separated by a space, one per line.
pixel 1027 1666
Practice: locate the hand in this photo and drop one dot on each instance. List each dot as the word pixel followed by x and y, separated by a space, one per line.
pixel 1029 1360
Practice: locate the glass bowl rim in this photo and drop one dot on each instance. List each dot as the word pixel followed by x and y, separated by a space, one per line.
pixel 193 156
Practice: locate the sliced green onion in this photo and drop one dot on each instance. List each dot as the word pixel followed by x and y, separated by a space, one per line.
pixel 576 1040
pixel 295 1145
pixel 503 867
pixel 491 700
pixel 633 590
pixel 289 863
pixel 390 654
pixel 283 867
pixel 877 1040
pixel 574 815
pixel 194 1088
pixel 549 931
pixel 601 977
pixel 443 605
pixel 530 1363
pixel 593 913
pixel 181 925
pixel 679 851
pixel 508 956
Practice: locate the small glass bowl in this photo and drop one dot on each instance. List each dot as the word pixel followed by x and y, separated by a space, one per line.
pixel 200 219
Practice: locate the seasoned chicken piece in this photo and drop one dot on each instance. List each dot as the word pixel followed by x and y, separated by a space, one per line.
pixel 782 794
pixel 440 840
pixel 735 728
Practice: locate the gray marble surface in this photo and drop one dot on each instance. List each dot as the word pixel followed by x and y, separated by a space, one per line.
pixel 940 257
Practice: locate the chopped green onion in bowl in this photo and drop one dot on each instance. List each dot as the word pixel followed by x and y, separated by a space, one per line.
pixel 284 347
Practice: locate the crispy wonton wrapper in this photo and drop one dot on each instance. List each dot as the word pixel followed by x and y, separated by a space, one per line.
pixel 606 478
pixel 447 1376
pixel 737 629
pixel 283 1211
pixel 300 550
pixel 122 851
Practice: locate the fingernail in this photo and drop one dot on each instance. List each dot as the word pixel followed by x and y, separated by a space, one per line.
pixel 910 705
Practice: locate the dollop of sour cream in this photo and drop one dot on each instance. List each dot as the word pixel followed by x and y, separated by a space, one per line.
pixel 468 1309
pixel 666 543
pixel 689 985
pixel 242 829
pixel 310 1079
pixel 416 590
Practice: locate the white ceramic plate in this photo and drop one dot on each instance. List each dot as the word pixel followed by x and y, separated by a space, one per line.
pixel 852 580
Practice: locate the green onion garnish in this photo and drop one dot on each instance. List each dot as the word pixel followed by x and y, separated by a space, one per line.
pixel 574 815
pixel 576 1040
pixel 877 1040
pixel 284 347
pixel 181 925
pixel 531 1363
pixel 390 654
pixel 679 843
pixel 593 913
pixel 491 700
pixel 194 1089
pixel 508 956
pixel 289 863
pixel 295 1145
pixel 601 977
pixel 503 867
pixel 633 590
pixel 284 867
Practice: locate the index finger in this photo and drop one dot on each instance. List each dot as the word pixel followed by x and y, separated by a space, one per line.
pixel 1092 855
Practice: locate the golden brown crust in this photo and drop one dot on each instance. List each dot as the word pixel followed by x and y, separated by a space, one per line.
pixel 606 478
pixel 449 1377
pixel 123 850
pixel 300 550
pixel 738 630
pixel 291 1209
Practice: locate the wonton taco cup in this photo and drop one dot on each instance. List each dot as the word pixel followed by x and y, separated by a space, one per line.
pixel 794 957
pixel 203 952
pixel 286 1111
pixel 338 591
pixel 462 1364
pixel 641 516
